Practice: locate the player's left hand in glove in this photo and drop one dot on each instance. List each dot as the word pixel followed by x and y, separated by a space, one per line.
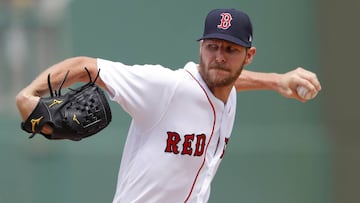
pixel 77 114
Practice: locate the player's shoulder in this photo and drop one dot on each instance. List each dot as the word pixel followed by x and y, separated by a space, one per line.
pixel 167 73
pixel 191 66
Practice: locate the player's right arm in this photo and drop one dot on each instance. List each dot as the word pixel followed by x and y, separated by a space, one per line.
pixel 283 83
pixel 27 98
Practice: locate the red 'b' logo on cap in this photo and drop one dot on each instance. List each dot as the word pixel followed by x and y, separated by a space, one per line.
pixel 225 21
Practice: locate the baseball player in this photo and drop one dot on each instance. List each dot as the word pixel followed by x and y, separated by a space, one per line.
pixel 181 119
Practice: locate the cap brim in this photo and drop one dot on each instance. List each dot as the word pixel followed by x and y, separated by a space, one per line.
pixel 227 38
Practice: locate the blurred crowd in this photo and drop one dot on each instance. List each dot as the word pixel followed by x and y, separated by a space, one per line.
pixel 33 34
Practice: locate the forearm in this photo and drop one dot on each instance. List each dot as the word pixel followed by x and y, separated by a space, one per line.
pixel 249 80
pixel 28 97
pixel 285 84
pixel 77 73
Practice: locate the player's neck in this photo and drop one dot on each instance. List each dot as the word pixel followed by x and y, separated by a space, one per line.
pixel 221 93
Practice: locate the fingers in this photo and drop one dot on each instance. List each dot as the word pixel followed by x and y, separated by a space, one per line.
pixel 308 80
pixel 47 129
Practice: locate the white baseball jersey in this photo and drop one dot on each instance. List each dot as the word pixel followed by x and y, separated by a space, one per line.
pixel 178 133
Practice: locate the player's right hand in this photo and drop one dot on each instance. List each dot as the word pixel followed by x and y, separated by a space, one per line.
pixel 298 77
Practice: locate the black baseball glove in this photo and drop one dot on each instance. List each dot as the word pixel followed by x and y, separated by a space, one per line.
pixel 77 114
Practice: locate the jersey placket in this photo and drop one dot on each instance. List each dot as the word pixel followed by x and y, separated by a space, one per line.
pixel 214 156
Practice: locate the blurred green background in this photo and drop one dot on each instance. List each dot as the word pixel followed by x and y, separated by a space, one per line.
pixel 281 150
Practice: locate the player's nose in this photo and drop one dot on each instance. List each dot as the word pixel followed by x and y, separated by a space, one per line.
pixel 220 57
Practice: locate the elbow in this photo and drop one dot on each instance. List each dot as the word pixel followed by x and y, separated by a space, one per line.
pixel 25 103
pixel 238 85
pixel 21 102
pixel 21 99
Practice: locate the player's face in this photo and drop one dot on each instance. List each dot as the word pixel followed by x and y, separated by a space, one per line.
pixel 221 62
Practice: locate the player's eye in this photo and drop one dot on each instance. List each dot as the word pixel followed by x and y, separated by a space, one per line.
pixel 231 49
pixel 212 47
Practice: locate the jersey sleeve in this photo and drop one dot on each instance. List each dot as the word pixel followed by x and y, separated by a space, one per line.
pixel 144 91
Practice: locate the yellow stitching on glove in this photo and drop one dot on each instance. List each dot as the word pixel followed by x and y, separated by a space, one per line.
pixel 35 122
pixel 75 119
pixel 55 102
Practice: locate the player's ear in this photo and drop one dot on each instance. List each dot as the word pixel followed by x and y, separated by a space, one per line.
pixel 250 55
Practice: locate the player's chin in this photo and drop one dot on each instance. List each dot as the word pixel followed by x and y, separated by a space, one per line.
pixel 222 81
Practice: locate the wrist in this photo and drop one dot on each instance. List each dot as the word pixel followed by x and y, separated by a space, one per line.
pixel 275 83
pixel 269 81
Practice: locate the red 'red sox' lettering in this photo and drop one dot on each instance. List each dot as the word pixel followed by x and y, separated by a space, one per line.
pixel 174 141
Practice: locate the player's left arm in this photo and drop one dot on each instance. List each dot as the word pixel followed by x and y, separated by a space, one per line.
pixel 285 84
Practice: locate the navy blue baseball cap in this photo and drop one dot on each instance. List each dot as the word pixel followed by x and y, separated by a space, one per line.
pixel 228 24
